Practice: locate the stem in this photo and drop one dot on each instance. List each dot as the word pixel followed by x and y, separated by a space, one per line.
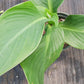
pixel 49 26
pixel 50 5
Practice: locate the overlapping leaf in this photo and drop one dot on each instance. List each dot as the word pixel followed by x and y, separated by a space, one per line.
pixel 21 29
pixel 52 5
pixel 74 31
pixel 47 52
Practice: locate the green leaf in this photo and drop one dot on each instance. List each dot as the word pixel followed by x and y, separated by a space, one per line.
pixel 53 20
pixel 21 29
pixel 74 31
pixel 52 5
pixel 75 39
pixel 46 53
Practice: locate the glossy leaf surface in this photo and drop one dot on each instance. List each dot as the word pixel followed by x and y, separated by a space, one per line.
pixel 52 5
pixel 74 31
pixel 46 53
pixel 21 29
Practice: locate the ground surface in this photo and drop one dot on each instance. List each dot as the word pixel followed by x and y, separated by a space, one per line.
pixel 68 69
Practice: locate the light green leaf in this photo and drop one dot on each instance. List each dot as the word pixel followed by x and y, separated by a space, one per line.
pixel 21 29
pixel 1 12
pixel 52 5
pixel 74 31
pixel 47 52
pixel 53 20
pixel 75 39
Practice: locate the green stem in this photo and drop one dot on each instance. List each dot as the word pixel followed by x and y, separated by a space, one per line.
pixel 50 5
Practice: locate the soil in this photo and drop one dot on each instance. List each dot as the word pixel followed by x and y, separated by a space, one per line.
pixel 65 45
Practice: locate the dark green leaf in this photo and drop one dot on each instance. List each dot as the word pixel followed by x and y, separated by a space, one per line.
pixel 74 31
pixel 47 52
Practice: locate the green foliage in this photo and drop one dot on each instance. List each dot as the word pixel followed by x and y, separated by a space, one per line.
pixel 52 5
pixel 22 40
pixel 21 29
pixel 74 31
pixel 47 52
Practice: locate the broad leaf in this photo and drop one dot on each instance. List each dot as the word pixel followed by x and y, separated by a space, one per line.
pixel 21 29
pixel 52 5
pixel 47 52
pixel 74 31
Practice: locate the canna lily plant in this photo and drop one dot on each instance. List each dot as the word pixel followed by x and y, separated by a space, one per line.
pixel 22 40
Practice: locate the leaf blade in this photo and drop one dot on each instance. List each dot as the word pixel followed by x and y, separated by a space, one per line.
pixel 52 5
pixel 75 39
pixel 20 34
pixel 74 23
pixel 74 31
pixel 36 64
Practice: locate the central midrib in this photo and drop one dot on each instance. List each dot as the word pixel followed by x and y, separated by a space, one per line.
pixel 21 32
pixel 73 30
